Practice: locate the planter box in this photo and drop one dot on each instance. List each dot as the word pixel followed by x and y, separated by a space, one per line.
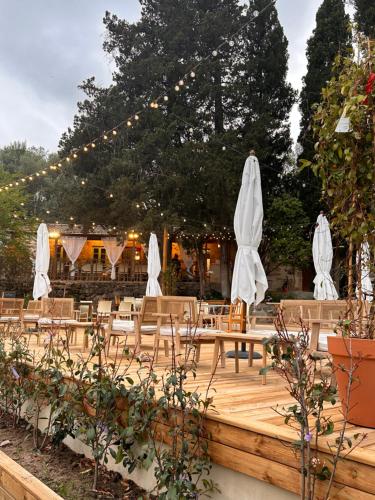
pixel 361 353
pixel 17 483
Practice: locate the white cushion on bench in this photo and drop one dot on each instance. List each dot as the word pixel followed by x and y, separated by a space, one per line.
pixel 124 325
pixel 188 331
pixel 31 316
pixel 323 342
pixel 9 318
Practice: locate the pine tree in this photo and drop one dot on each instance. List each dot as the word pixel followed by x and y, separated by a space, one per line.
pixel 265 96
pixel 330 37
pixel 365 16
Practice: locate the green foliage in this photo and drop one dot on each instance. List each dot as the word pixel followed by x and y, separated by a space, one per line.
pixel 330 37
pixel 172 161
pixel 284 237
pixel 345 161
pixel 365 16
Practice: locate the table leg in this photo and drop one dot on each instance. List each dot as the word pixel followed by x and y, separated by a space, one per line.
pixel 215 356
pixel 222 353
pixel 236 360
pixel 264 381
pixel 251 352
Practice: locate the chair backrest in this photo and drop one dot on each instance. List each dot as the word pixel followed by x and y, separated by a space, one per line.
pixel 236 317
pixel 104 307
pixel 292 311
pixel 203 307
pixel 148 309
pixel 185 308
pixel 129 299
pixel 35 306
pixel 58 308
pixel 125 306
pixel 11 307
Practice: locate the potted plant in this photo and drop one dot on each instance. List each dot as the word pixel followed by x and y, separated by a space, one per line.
pixel 344 124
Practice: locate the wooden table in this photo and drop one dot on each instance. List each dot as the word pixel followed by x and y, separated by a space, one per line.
pixel 237 338
pixel 71 329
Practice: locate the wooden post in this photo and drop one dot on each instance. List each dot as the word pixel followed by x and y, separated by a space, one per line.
pixel 165 255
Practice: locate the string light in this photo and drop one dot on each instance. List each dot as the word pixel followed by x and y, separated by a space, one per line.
pixel 154 104
pixel 129 123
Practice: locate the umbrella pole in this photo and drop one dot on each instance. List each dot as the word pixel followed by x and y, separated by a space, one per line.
pixel 243 324
pixel 243 354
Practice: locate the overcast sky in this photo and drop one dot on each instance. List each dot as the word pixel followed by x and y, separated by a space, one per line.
pixel 47 47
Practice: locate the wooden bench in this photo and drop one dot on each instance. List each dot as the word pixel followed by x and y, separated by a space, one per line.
pixel 237 338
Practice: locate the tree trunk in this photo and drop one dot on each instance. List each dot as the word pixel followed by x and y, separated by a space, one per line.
pixel 201 269
pixel 224 270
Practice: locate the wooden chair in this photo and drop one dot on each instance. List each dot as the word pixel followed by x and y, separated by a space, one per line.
pixel 144 323
pixel 11 316
pixel 103 311
pixel 125 308
pixel 235 321
pixel 177 322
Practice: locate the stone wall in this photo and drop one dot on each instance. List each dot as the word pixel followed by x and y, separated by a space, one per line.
pixel 93 290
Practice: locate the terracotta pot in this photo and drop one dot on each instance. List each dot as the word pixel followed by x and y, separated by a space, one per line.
pixel 362 394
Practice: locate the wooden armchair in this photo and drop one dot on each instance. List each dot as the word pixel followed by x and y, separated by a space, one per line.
pixel 142 323
pixel 11 315
pixel 177 322
pixel 235 320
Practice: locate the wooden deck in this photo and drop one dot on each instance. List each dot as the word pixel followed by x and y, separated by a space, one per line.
pixel 248 436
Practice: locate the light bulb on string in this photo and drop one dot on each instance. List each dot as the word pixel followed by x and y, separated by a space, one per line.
pixel 192 74
pixel 30 178
pixel 136 117
pixel 165 98
pixel 37 174
pixel 68 160
pixel 93 145
pixel 114 132
pixel 75 155
pixel 129 123
pixel 177 88
pixel 231 43
pixel 85 149
pixel 53 166
pixel 214 53
pixel 83 183
pixel 181 82
pixel 255 13
pixel 111 195
pixel 105 137
pixel 44 172
pixel 23 180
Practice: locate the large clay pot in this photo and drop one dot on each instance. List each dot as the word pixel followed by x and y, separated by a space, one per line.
pixel 362 393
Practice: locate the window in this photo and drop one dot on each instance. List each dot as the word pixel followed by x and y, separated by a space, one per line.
pixel 99 254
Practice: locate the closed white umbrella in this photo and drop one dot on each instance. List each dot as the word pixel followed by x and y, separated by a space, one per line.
pixel 153 268
pixel 249 282
pixel 322 256
pixel 42 285
pixel 367 289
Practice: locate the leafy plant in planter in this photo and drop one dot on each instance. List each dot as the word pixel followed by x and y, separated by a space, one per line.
pixel 313 390
pixel 344 125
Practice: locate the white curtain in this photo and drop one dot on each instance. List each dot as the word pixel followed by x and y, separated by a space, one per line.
pixel 153 268
pixel 42 285
pixel 73 247
pixel 114 250
pixel 249 281
pixel 322 256
pixel 367 289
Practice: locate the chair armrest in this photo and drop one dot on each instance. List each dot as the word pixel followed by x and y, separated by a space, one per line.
pixel 123 313
pixel 165 315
